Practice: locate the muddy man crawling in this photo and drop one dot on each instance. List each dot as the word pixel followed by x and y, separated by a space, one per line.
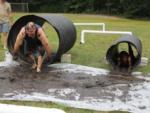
pixel 37 44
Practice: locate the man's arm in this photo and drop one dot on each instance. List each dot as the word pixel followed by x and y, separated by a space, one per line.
pixel 19 40
pixel 130 51
pixel 130 65
pixel 42 37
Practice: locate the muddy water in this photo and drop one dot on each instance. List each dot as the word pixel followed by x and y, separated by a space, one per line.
pixel 75 85
pixel 23 79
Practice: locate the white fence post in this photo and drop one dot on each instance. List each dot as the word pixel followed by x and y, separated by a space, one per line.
pixel 82 40
pixel 103 31
pixel 91 24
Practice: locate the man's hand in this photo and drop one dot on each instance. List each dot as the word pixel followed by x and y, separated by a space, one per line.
pixel 14 55
pixel 48 59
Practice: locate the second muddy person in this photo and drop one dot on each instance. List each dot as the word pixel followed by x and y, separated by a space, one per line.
pixel 126 60
pixel 36 44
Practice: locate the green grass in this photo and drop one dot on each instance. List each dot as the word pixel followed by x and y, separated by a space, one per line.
pixel 53 105
pixel 2 51
pixel 93 52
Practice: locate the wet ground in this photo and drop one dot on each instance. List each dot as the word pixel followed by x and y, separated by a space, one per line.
pixel 75 85
pixel 22 78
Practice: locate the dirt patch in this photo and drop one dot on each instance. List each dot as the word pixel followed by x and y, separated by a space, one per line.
pixel 77 86
pixel 23 79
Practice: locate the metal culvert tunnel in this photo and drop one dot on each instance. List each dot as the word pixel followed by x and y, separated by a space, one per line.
pixel 65 30
pixel 131 40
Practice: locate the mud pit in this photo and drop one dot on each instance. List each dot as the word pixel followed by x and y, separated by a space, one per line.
pixel 76 85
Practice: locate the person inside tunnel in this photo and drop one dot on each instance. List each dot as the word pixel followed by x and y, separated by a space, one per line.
pixel 125 60
pixel 35 42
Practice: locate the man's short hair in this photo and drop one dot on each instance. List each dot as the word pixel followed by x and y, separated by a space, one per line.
pixel 124 53
pixel 30 25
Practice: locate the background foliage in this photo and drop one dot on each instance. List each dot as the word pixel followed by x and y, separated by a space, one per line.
pixel 127 8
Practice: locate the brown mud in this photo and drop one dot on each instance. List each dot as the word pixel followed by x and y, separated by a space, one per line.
pixel 23 79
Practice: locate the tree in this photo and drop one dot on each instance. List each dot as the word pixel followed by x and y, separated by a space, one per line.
pixel 128 8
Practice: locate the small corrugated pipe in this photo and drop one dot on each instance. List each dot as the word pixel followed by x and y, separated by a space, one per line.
pixel 131 40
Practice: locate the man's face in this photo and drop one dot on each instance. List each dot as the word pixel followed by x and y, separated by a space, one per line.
pixel 31 32
pixel 125 59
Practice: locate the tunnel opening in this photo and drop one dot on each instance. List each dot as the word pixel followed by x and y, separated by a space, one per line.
pixel 54 26
pixel 128 45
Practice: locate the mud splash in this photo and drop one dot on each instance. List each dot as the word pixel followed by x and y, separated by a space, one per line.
pixel 77 86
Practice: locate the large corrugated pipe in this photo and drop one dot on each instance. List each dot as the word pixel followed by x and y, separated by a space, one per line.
pixel 65 29
pixel 131 40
